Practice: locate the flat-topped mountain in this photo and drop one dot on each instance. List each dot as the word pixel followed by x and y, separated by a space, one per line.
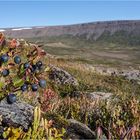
pixel 92 31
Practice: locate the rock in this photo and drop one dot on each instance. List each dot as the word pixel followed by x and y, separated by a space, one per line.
pixel 18 114
pixel 130 74
pixel 62 77
pixel 91 95
pixel 76 94
pixel 99 95
pixel 77 130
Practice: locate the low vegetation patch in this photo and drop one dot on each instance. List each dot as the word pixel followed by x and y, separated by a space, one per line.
pixel 24 76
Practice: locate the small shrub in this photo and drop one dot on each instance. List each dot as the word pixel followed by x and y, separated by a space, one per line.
pixel 47 99
pixel 41 129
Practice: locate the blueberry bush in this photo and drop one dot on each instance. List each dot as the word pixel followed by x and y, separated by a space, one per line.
pixel 22 72
pixel 21 68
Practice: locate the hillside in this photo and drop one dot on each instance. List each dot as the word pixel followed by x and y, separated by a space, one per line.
pixel 91 31
pixel 44 98
pixel 111 43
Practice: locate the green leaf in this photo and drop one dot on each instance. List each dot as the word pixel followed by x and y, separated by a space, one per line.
pixel 2 82
pixel 28 79
pixel 1 85
pixel 47 69
pixel 18 82
pixel 50 138
pixel 63 131
pixel 22 70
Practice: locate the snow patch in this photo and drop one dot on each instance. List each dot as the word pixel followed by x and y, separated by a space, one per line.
pixel 1 30
pixel 19 29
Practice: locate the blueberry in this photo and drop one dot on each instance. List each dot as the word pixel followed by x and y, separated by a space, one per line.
pixel 34 68
pixel 11 98
pixel 24 87
pixel 17 59
pixel 26 65
pixel 4 58
pixel 5 72
pixel 34 87
pixel 39 64
pixel 42 83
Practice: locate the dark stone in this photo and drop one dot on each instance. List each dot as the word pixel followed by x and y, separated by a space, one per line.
pixel 62 77
pixel 77 130
pixel 18 114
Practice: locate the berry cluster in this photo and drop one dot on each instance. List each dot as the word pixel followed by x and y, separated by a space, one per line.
pixel 29 69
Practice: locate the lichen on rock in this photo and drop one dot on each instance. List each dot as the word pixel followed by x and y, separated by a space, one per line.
pixel 62 77
pixel 18 114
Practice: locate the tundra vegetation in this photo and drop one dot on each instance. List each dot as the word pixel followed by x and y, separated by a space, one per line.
pixel 26 71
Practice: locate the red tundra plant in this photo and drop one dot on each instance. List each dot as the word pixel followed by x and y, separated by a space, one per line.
pixel 47 99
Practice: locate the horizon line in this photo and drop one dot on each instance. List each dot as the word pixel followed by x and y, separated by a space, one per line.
pixel 39 26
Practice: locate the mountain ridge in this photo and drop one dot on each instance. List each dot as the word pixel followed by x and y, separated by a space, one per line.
pixel 91 30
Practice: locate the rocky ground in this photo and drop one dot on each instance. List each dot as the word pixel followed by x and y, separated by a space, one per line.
pixel 130 73
pixel 45 99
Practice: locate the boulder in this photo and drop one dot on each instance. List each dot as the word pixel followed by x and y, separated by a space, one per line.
pixel 61 76
pixel 99 95
pixel 77 130
pixel 18 114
